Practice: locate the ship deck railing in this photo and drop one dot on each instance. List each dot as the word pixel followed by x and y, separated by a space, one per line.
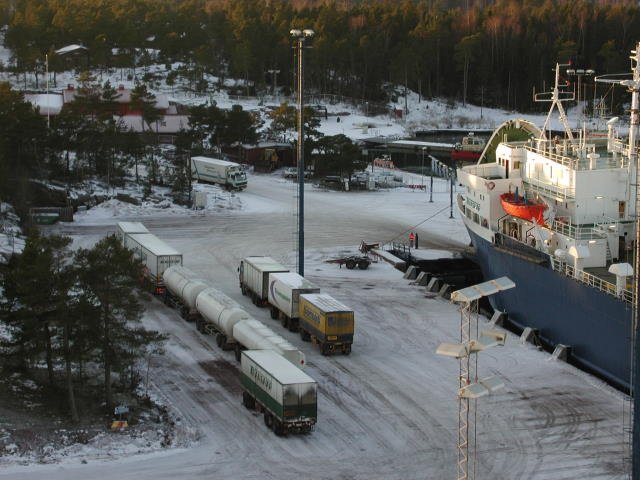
pixel 594 281
pixel 540 186
pixel 578 159
pixel 578 232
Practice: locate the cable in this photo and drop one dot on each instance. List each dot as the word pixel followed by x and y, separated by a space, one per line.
pixel 416 225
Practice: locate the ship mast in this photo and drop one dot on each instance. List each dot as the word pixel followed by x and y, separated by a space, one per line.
pixel 634 87
pixel 556 101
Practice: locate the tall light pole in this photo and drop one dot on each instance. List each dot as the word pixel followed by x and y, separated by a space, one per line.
pixel 300 36
pixel 422 168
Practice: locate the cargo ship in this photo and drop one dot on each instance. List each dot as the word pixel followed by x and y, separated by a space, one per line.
pixel 558 217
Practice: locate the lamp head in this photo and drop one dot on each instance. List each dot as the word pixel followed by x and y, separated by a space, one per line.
pixel 295 33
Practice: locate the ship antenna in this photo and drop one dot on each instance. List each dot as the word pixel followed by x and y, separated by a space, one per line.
pixel 556 101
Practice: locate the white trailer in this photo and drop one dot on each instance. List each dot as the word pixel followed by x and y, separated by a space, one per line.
pixel 222 172
pixel 284 296
pixel 254 277
pixel 219 314
pixel 255 335
pixel 127 228
pixel 285 394
pixel 183 286
pixel 156 257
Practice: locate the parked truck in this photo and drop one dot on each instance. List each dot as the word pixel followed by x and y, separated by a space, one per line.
pixel 284 293
pixel 127 228
pixel 156 256
pixel 222 172
pixel 254 277
pixel 218 315
pixel 326 322
pixel 182 289
pixel 286 395
pixel 255 335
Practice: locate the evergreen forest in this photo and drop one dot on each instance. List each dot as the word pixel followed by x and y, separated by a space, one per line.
pixel 489 51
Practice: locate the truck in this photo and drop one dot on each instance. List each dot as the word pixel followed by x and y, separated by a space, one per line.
pixel 254 277
pixel 155 255
pixel 284 293
pixel 182 289
pixel 255 335
pixel 285 395
pixel 218 315
pixel 326 322
pixel 126 228
pixel 230 175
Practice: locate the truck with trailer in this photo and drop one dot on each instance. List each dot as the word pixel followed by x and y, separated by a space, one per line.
pixel 230 175
pixel 284 294
pixel 326 322
pixel 254 277
pixel 255 335
pixel 182 289
pixel 218 315
pixel 127 228
pixel 285 395
pixel 156 257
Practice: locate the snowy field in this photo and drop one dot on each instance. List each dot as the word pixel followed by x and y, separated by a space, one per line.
pixel 387 411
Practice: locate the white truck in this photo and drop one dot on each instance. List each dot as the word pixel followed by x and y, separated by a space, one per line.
pixel 254 277
pixel 285 394
pixel 222 172
pixel 284 296
pixel 127 228
pixel 156 257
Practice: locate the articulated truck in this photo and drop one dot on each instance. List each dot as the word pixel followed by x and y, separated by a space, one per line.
pixel 213 170
pixel 285 395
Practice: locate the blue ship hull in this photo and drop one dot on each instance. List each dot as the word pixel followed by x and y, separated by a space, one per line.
pixel 595 324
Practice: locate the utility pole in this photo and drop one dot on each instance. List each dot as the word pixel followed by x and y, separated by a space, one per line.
pixel 274 75
pixel 300 37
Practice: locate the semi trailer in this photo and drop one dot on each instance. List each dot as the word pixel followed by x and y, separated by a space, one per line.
pixel 127 228
pixel 182 289
pixel 284 294
pixel 254 277
pixel 218 315
pixel 255 335
pixel 326 322
pixel 285 395
pixel 156 257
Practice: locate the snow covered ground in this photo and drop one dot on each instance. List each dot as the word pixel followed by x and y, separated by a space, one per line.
pixel 387 411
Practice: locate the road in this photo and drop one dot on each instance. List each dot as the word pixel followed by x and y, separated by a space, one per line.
pixel 387 411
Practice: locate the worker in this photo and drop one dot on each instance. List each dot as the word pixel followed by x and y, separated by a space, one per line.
pixel 416 240
pixel 412 239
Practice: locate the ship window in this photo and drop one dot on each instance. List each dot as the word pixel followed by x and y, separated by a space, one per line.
pixel 621 208
pixel 476 218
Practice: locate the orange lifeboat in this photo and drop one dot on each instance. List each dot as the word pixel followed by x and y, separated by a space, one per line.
pixel 522 208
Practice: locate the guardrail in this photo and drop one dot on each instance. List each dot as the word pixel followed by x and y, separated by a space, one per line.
pixel 590 279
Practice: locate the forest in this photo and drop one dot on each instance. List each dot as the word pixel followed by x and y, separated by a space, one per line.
pixel 481 51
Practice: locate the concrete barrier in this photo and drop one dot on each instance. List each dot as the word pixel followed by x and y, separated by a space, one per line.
pixel 434 284
pixel 411 273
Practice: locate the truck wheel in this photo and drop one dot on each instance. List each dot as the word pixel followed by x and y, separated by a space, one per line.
pixel 220 340
pixel 238 352
pixel 248 401
pixel 363 264
pixel 274 312
pixel 268 420
pixel 304 336
pixel 324 349
pixel 293 326
pixel 351 264
pixel 346 350
pixel 278 428
pixel 285 321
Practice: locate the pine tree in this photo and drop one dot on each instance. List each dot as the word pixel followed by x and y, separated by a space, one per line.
pixel 108 276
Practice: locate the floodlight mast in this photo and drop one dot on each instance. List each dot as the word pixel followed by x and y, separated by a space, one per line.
pixel 301 36
pixel 470 387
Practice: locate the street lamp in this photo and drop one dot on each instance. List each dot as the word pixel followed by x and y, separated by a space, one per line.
pixel 422 168
pixel 301 36
pixel 274 74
